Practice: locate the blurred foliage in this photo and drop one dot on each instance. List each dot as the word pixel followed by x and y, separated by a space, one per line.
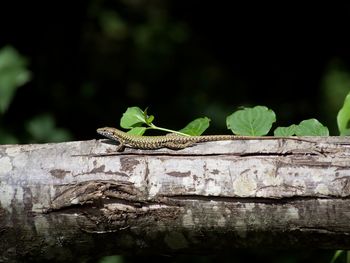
pixel 7 138
pixel 341 256
pixel 42 128
pixel 111 259
pixel 112 25
pixel 335 87
pixel 13 74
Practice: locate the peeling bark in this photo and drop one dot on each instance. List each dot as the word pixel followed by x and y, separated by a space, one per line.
pixel 84 199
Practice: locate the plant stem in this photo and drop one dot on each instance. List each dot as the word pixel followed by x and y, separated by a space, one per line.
pixel 152 126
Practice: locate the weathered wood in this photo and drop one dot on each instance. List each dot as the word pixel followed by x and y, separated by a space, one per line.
pixel 86 199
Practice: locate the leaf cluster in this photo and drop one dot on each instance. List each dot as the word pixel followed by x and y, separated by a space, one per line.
pixel 255 121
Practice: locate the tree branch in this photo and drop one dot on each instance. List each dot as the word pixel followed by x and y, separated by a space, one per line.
pixel 85 198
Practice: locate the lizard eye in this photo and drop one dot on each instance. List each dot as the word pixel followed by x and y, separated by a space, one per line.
pixel 108 134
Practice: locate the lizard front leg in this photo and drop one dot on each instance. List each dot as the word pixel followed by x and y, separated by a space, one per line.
pixel 121 146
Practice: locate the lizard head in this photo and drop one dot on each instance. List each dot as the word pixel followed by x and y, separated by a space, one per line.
pixel 106 132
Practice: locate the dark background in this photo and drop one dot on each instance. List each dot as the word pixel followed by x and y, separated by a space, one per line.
pixel 90 60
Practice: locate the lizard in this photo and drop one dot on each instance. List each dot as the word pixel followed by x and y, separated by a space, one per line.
pixel 171 141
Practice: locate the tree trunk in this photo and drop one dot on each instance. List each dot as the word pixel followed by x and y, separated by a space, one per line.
pixel 82 199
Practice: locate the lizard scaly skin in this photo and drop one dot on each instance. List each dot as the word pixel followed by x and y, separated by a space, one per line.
pixel 171 141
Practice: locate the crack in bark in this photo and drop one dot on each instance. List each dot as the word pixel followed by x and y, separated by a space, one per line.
pixel 86 192
pixel 167 154
pixel 96 194
pixel 322 230
pixel 263 200
pixel 137 152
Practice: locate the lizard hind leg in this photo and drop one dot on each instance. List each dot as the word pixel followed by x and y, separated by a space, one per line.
pixel 177 145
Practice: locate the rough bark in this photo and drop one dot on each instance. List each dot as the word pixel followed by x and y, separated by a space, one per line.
pixel 83 199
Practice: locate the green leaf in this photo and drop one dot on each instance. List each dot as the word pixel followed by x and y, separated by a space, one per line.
pixel 255 121
pixel 311 127
pixel 13 74
pixel 285 131
pixel 345 133
pixel 150 119
pixel 137 130
pixel 133 117
pixel 343 117
pixel 196 127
